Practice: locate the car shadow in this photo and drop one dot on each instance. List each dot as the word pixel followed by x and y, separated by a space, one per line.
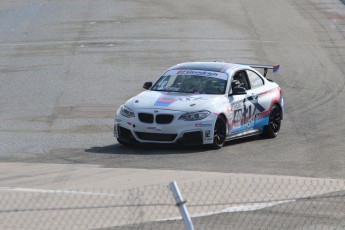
pixel 244 140
pixel 146 149
pixel 163 149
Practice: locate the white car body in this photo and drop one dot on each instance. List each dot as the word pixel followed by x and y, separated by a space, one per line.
pixel 245 114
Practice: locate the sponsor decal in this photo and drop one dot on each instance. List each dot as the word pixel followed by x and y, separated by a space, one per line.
pixel 129 123
pixel 171 88
pixel 153 128
pixel 218 75
pixel 200 73
pixel 202 125
pixel 208 133
pixel 237 106
pixel 249 123
pixel 252 110
pixel 255 101
pixel 238 114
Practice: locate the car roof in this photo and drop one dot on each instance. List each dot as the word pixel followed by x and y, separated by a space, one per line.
pixel 222 67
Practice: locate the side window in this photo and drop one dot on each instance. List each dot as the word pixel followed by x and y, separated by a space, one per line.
pixel 240 80
pixel 254 79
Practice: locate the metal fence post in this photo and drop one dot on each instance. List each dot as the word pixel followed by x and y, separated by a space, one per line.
pixel 180 203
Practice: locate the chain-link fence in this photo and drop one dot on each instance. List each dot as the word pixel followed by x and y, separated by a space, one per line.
pixel 237 202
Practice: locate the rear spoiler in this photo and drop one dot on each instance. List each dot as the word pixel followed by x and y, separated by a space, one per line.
pixel 265 67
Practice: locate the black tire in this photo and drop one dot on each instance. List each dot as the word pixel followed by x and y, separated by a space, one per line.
pixel 219 135
pixel 274 123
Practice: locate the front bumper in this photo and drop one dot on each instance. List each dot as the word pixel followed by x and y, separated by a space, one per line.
pixel 134 130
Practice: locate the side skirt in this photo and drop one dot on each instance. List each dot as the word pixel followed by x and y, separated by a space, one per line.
pixel 248 133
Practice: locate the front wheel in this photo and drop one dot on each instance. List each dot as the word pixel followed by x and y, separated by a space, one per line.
pixel 219 135
pixel 273 127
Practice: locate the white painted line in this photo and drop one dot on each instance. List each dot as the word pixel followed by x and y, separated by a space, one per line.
pixel 86 42
pixel 241 208
pixel 245 208
pixel 34 190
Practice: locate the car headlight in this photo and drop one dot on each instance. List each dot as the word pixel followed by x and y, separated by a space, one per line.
pixel 195 115
pixel 126 112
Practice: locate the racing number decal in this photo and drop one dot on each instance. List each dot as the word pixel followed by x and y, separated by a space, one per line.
pixel 238 114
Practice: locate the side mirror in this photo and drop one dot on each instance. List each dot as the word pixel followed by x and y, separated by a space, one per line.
pixel 238 91
pixel 147 85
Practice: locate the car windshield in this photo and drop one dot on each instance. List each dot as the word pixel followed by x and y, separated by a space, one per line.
pixel 190 83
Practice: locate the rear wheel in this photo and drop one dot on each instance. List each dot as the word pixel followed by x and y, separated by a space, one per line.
pixel 219 135
pixel 273 127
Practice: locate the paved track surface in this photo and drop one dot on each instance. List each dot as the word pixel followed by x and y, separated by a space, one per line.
pixel 65 66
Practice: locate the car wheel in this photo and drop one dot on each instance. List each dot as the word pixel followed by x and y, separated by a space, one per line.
pixel 219 135
pixel 273 127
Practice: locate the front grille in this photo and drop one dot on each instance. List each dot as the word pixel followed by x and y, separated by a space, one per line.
pixel 146 117
pixel 164 118
pixel 156 136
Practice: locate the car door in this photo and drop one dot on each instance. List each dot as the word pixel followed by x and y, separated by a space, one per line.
pixel 240 104
pixel 257 103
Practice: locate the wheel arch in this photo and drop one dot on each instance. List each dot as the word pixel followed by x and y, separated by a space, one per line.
pixel 270 108
pixel 280 107
pixel 226 122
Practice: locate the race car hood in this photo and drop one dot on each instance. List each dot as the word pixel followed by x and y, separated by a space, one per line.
pixel 172 101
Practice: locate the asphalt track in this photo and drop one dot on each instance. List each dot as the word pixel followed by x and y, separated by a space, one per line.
pixel 65 66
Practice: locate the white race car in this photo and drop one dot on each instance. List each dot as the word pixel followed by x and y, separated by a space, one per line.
pixel 203 103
